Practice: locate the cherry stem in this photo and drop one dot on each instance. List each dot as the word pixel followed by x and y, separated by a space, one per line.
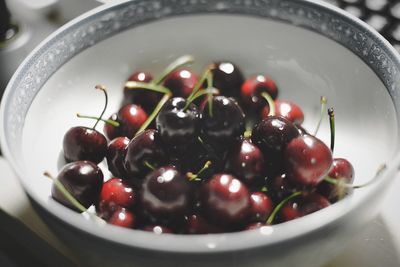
pixel 179 62
pixel 278 207
pixel 340 182
pixel 200 93
pixel 111 122
pixel 271 103
pixel 321 117
pixel 210 95
pixel 157 109
pixel 148 165
pixel 148 86
pixel 332 126
pixel 199 83
pixel 66 193
pixel 264 189
pixel 193 177
pixel 102 88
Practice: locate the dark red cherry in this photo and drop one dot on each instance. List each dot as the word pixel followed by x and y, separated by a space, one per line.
pixel 197 224
pixel 280 187
pixel 225 125
pixel 83 180
pixel 246 161
pixel 227 77
pixel 181 82
pixel 116 193
pixel 116 155
pixel 303 205
pixel 157 229
pixel 131 117
pixel 166 193
pixel 144 148
pixel 83 143
pixel 110 131
pixel 178 125
pixel 286 109
pixel 252 88
pixel 225 200
pixel 260 207
pixel 342 170
pixel 308 160
pixel 145 98
pixel 123 218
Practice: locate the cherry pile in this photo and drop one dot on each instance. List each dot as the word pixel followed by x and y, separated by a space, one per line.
pixel 194 154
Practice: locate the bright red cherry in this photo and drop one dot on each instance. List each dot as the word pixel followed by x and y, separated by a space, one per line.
pixel 286 109
pixel 116 193
pixel 116 155
pixel 308 160
pixel 225 200
pixel 261 206
pixel 123 218
pixel 343 170
pixel 181 82
pixel 302 206
pixel 253 87
pixel 131 117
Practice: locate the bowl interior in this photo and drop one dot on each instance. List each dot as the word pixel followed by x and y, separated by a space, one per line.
pixel 304 64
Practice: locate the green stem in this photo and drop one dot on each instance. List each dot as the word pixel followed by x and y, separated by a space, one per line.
pixel 157 109
pixel 280 206
pixel 321 117
pixel 199 94
pixel 111 122
pixel 102 88
pixel 271 103
pixel 332 126
pixel 210 95
pixel 193 177
pixel 247 133
pixel 179 62
pixel 148 86
pixel 199 83
pixel 148 165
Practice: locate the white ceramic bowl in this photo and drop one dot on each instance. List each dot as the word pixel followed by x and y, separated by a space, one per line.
pixel 309 48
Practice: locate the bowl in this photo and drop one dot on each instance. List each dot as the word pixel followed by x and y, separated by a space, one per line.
pixel 310 48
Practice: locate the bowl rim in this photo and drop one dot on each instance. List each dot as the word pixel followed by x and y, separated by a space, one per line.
pixel 216 243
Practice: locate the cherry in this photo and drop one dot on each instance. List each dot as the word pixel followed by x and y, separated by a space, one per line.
pixel 181 82
pixel 157 229
pixel 246 161
pixel 225 125
pixel 308 160
pixel 116 155
pixel 286 109
pixel 166 193
pixel 254 226
pixel 115 194
pixel 280 187
pixel 227 77
pixel 83 143
pixel 341 170
pixel 83 180
pixel 145 98
pixel 197 224
pixel 178 122
pixel 131 117
pixel 110 131
pixel 302 206
pixel 123 218
pixel 225 200
pixel 261 206
pixel 142 150
pixel 253 87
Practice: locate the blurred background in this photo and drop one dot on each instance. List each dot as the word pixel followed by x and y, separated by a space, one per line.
pixel 24 239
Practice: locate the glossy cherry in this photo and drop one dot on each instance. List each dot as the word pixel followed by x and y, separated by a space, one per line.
pixel 116 155
pixel 251 90
pixel 166 193
pixel 83 180
pixel 260 207
pixel 144 148
pixel 308 160
pixel 181 82
pixel 225 125
pixel 131 117
pixel 122 217
pixel 303 205
pixel 225 200
pixel 110 131
pixel 286 109
pixel 280 187
pixel 157 229
pixel 342 170
pixel 83 143
pixel 147 99
pixel 177 124
pixel 246 161
pixel 227 77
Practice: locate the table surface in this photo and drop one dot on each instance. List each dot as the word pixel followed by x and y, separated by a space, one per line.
pixel 377 245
